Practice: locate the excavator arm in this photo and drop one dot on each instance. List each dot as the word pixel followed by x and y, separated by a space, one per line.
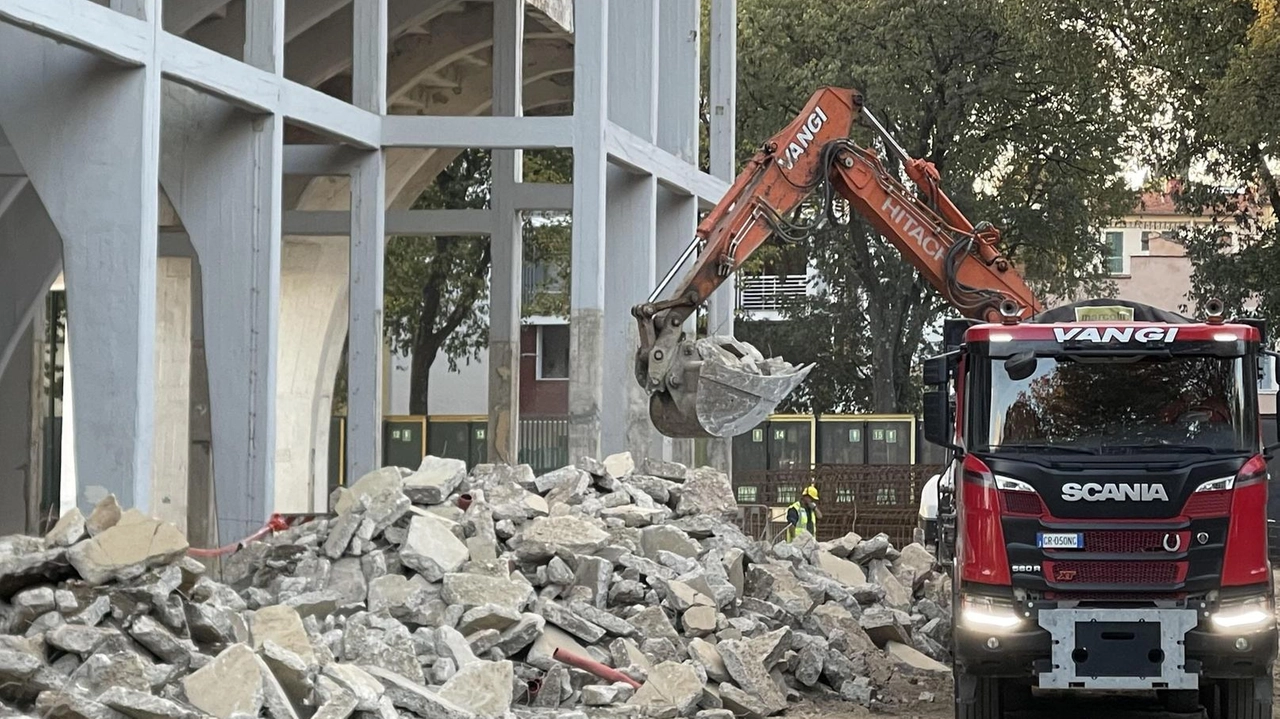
pixel 718 387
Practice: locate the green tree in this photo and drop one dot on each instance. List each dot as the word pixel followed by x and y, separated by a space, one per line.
pixel 437 288
pixel 1214 65
pixel 1026 114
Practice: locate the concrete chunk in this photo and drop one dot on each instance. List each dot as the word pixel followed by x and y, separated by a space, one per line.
pixel 484 688
pixel 432 549
pixel 435 480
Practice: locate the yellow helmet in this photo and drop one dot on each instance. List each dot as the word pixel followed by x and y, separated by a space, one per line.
pixel 811 491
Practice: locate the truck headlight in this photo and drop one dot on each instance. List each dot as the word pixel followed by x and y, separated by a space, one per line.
pixel 988 613
pixel 1248 614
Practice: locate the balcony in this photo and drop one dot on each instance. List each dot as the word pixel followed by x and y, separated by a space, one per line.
pixel 770 293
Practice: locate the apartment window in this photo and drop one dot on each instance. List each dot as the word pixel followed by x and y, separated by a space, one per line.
pixel 1115 253
pixel 553 352
pixel 1146 241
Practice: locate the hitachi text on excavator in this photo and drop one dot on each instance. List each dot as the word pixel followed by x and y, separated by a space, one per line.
pixel 1103 510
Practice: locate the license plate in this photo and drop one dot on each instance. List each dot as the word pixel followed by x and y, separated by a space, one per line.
pixel 1070 540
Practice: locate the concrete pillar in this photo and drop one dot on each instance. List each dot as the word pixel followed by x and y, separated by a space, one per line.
pixel 99 129
pixel 679 76
pixel 724 64
pixel 368 205
pixel 173 380
pixel 587 276
pixel 630 219
pixel 507 249
pixel 222 170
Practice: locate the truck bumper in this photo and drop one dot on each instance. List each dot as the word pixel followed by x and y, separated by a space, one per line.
pixel 1113 648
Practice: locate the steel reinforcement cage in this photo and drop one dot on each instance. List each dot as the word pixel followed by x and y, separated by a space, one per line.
pixel 867 499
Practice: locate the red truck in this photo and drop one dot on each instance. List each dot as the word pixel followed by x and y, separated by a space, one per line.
pixel 1108 528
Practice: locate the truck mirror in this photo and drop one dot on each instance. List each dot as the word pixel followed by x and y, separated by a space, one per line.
pixel 938 427
pixel 1021 365
pixel 935 371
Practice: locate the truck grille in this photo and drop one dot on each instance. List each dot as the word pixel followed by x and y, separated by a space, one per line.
pixel 1122 541
pixel 1115 573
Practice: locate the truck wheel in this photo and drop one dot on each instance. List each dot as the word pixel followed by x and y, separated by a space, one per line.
pixel 977 697
pixel 1240 699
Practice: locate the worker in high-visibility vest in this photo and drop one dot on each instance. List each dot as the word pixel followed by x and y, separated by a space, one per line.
pixel 803 514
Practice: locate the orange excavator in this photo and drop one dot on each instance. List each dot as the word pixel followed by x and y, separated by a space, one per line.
pixel 718 387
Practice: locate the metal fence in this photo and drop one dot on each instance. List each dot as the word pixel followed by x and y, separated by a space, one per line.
pixel 867 499
pixel 544 443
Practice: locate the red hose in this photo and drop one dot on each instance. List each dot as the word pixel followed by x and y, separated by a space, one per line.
pixel 593 666
pixel 277 523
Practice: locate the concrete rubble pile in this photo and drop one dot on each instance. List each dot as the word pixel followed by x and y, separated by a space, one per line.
pixel 601 589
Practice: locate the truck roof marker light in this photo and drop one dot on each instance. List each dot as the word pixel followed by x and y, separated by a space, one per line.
pixel 1213 310
pixel 1010 313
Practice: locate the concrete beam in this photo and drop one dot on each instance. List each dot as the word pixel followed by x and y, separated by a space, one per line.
pixel 133 42
pixel 325 50
pixel 320 160
pixel 182 15
pixel 453 37
pixel 634 152
pixel 97 29
pixel 543 196
pixel 587 280
pixel 101 129
pixel 422 223
pixel 530 133
pixel 507 241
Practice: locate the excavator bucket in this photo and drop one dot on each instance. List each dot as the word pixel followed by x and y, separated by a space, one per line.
pixel 720 387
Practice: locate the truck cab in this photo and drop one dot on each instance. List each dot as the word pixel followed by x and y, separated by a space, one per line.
pixel 1104 511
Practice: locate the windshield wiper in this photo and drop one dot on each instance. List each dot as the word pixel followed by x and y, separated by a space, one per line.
pixel 1045 448
pixel 1183 448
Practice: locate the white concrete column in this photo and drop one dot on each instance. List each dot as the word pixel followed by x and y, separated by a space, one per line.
pixel 99 129
pixel 368 207
pixel 222 172
pixel 587 276
pixel 724 73
pixel 173 380
pixel 503 437
pixel 631 215
pixel 679 78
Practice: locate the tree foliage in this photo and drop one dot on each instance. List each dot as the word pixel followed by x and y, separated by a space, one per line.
pixel 1027 115
pixel 1214 65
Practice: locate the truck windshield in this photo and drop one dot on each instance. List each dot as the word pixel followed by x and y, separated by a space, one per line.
pixel 1181 403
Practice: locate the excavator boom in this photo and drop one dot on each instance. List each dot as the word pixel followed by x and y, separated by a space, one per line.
pixel 719 387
